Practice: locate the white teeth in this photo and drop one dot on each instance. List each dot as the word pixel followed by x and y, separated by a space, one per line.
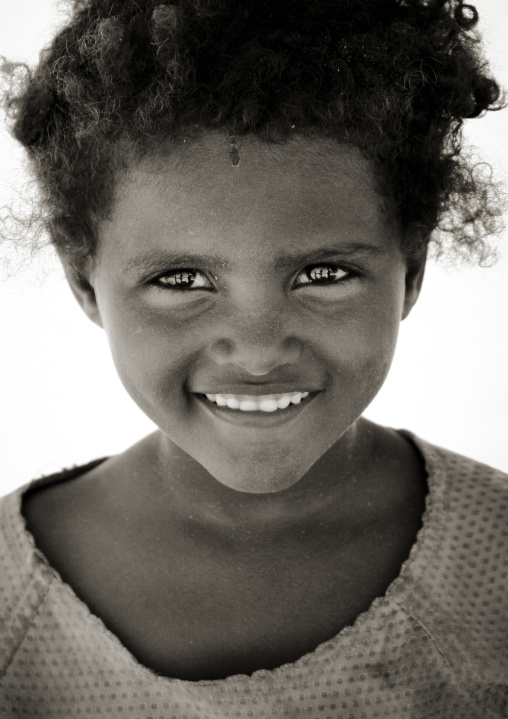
pixel 265 403
pixel 233 403
pixel 248 405
pixel 284 402
pixel 268 405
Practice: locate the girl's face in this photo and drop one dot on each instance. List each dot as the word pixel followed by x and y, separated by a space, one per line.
pixel 280 274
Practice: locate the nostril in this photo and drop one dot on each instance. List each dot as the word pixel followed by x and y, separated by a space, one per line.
pixel 257 359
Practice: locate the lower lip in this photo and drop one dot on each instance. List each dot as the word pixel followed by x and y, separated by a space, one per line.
pixel 258 418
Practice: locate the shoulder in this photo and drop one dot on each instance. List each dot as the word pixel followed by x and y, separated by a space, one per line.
pixel 23 584
pixel 460 593
pixel 467 523
pixel 472 495
pixel 25 573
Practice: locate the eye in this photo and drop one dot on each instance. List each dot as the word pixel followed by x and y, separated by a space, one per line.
pixel 189 279
pixel 327 274
pixel 182 279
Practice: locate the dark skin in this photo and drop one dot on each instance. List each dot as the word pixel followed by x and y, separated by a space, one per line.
pixel 194 604
pixel 232 548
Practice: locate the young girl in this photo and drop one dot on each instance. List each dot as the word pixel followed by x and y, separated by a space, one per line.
pixel 242 196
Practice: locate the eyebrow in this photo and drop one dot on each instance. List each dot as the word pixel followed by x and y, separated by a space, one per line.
pixel 154 260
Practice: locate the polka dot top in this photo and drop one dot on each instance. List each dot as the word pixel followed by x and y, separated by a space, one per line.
pixel 435 646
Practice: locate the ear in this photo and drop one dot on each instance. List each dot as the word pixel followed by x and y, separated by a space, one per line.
pixel 414 279
pixel 83 292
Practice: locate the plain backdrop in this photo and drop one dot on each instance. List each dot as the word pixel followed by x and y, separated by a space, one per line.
pixel 61 402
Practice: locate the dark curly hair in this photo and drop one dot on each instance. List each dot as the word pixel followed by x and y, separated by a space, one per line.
pixel 397 78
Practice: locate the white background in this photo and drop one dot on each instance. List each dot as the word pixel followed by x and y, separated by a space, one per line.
pixel 61 402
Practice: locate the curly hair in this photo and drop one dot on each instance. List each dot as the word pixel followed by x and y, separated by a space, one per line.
pixel 397 78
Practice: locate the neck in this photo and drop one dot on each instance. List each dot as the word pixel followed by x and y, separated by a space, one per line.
pixel 331 486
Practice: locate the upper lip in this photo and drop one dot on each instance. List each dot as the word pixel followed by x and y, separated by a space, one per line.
pixel 258 390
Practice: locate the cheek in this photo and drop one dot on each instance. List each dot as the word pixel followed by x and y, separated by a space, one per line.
pixel 362 368
pixel 151 356
pixel 377 342
pixel 364 344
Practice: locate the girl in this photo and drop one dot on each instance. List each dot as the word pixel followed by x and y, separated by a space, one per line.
pixel 242 196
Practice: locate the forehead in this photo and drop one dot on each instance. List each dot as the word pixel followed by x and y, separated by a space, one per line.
pixel 299 168
pixel 276 192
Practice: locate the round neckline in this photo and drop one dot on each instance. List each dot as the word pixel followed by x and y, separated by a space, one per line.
pixel 411 566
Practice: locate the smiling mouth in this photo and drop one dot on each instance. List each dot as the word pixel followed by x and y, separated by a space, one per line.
pixel 254 403
pixel 258 406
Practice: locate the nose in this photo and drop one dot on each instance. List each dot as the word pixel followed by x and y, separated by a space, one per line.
pixel 257 343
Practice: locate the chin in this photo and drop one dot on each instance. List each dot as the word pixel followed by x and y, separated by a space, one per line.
pixel 256 481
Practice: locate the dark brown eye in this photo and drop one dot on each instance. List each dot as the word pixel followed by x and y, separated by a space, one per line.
pixel 182 279
pixel 322 275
